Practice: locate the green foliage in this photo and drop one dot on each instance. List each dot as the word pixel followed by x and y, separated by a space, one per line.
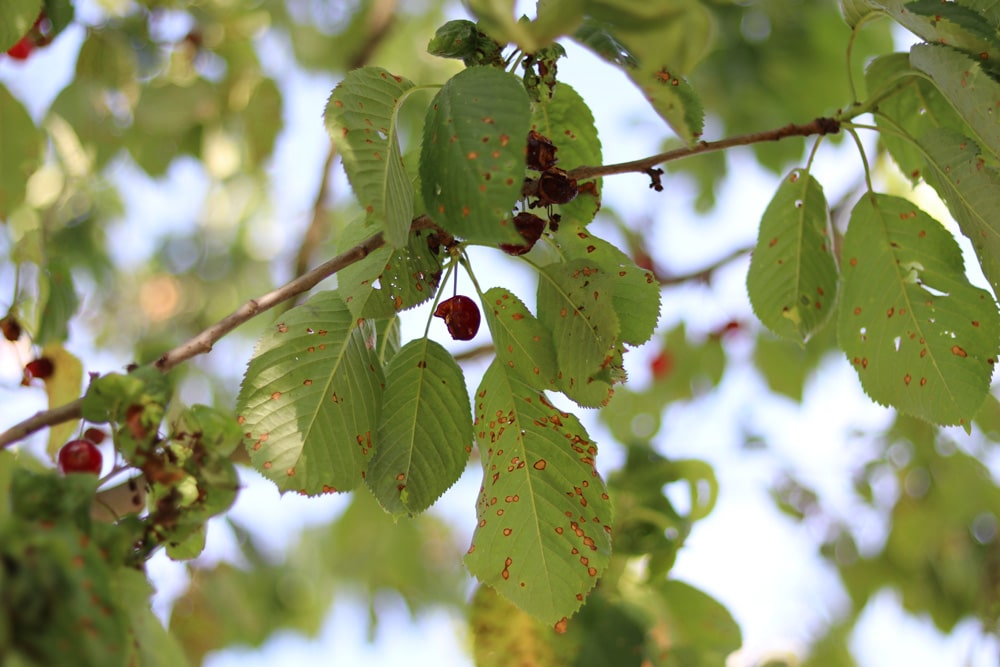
pixel 334 398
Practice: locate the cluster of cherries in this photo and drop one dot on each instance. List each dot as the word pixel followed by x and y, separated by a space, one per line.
pixel 40 35
pixel 80 455
pixel 552 186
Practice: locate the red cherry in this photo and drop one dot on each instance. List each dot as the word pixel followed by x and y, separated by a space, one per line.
pixel 80 456
pixel 662 365
pixel 460 315
pixel 41 368
pixel 22 49
pixel 10 327
pixel 94 435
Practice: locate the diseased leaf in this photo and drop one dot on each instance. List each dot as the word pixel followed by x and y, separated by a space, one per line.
pixel 575 303
pixel 361 119
pixel 522 344
pixel 472 157
pixel 387 281
pixel 925 340
pixel 566 120
pixel 916 107
pixel 310 398
pixel 971 188
pixel 972 91
pixel 792 281
pixel 543 537
pixel 635 291
pixel 424 431
pixel 970 26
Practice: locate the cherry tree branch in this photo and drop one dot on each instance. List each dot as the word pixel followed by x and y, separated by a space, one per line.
pixel 643 166
pixel 202 343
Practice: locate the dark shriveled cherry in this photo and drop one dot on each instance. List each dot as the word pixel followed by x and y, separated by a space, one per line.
pixel 530 227
pixel 540 153
pixel 41 368
pixel 80 456
pixel 460 315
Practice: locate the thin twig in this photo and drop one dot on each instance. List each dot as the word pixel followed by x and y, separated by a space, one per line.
pixel 817 126
pixel 702 275
pixel 318 222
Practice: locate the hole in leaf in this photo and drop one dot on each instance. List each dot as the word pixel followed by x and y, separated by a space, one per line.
pixel 895 343
pixel 931 290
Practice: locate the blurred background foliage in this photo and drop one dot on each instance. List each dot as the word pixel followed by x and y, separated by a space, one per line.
pixel 178 107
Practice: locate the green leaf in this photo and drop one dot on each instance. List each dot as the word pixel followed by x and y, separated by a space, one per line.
pixel 498 19
pixel 915 107
pixel 215 429
pixel 635 291
pixel 424 431
pixel 693 627
pixel 21 145
pixel 566 120
pixel 153 645
pixel 405 277
pixel 472 157
pixel 962 26
pixel 463 40
pixel 956 24
pixel 61 303
pixel 661 45
pixel 544 514
pixel 310 398
pixel 856 10
pixel 971 188
pixel 576 303
pixel 973 92
pixel 920 337
pixel 260 124
pixel 522 344
pixel 361 119
pixel 555 18
pixel 16 19
pixel 792 279
pixel 596 36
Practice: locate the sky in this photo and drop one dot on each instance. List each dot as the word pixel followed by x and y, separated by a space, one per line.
pixel 758 563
